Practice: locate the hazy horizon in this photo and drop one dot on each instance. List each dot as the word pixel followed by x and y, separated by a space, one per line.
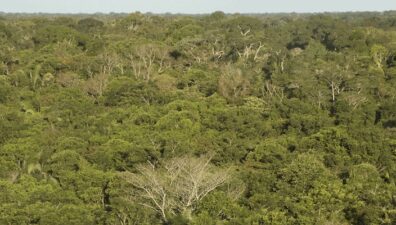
pixel 193 7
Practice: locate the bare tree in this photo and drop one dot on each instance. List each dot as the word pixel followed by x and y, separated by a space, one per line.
pixel 232 83
pixel 244 32
pixel 379 54
pixel 67 79
pixel 281 57
pixel 335 83
pixel 96 85
pixel 198 49
pixel 335 78
pixel 256 54
pixel 272 91
pixel 252 52
pixel 218 51
pixel 109 61
pixel 176 185
pixel 355 100
pixel 153 186
pixel 147 60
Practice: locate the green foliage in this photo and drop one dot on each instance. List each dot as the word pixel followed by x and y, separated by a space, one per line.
pixel 89 25
pixel 301 109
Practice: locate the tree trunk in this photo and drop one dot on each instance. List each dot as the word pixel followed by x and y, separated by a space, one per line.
pixel 187 213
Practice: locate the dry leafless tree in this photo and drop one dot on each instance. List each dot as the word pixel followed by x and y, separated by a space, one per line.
pixel 176 185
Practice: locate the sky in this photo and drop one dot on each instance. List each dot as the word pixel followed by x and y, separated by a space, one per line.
pixel 194 6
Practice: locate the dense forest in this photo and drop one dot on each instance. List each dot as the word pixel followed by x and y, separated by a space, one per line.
pixel 225 119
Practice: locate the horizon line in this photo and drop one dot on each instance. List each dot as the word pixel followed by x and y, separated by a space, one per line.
pixel 198 13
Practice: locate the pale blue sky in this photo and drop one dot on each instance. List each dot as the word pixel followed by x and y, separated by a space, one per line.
pixel 194 6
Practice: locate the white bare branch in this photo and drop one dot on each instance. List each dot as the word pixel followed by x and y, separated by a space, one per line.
pixel 177 185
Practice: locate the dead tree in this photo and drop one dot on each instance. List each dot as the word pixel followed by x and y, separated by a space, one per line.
pixel 244 32
pixel 218 51
pixel 256 55
pixel 176 185
pixel 96 85
pixel 145 59
pixel 335 80
pixel 272 91
pixel 232 83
